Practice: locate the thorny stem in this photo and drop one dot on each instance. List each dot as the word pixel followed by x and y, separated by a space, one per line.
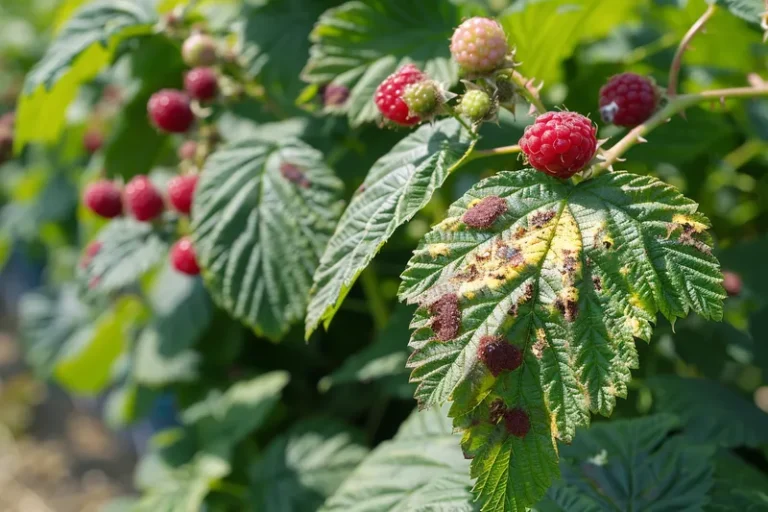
pixel 529 91
pixel 675 105
pixel 483 153
pixel 677 61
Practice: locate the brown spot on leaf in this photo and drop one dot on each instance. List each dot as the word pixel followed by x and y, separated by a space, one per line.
pixel 597 283
pixel 528 294
pixel 511 254
pixel 517 422
pixel 539 219
pixel 294 174
pixel 446 317
pixel 498 355
pixel 568 308
pixel 541 343
pixel 484 214
pixel 496 410
pixel 513 309
pixel 520 233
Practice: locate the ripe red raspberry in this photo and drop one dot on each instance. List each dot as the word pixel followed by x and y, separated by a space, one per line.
pixel 170 111
pixel 199 50
pixel 92 141
pixel 202 84
pixel 188 150
pixel 142 199
pixel 90 251
pixel 479 45
pixel 732 283
pixel 628 100
pixel 103 198
pixel 517 422
pixel 389 95
pixel 559 143
pixel 181 190
pixel 183 257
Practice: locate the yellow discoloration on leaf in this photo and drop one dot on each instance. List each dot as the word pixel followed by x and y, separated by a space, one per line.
pixel 634 325
pixel 440 249
pixel 541 343
pixel 473 203
pixel 624 270
pixel 449 224
pixel 682 219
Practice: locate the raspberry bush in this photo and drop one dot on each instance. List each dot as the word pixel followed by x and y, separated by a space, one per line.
pixel 294 217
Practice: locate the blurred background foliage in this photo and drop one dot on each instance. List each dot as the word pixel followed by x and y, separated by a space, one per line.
pixel 175 343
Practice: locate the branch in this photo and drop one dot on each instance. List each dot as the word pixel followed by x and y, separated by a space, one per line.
pixel 675 105
pixel 529 91
pixel 483 153
pixel 677 61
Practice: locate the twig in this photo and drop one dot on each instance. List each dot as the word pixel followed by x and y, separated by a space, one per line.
pixel 453 113
pixel 675 105
pixel 529 91
pixel 677 61
pixel 484 153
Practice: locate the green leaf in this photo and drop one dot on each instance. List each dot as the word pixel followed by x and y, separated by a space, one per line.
pixel 421 469
pixel 127 404
pixel 184 488
pixel 300 469
pixel 6 247
pixel 83 47
pixel 738 486
pixel 637 464
pixel 570 275
pixel 85 362
pixel 355 45
pixel 382 362
pixel 398 185
pixel 224 419
pixel 750 10
pixel 47 319
pixel 262 215
pixel 129 249
pixel 712 412
pixel 134 146
pixel 547 32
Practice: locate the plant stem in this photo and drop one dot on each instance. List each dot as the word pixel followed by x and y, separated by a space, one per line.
pixel 236 490
pixel 530 92
pixel 452 112
pixel 376 304
pixel 677 61
pixel 484 153
pixel 675 105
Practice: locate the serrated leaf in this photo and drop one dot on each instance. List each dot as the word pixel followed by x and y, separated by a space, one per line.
pixel 222 420
pixel 421 469
pixel 637 464
pixel 84 364
pixel 546 32
pixel 129 249
pixel 712 412
pixel 570 275
pixel 353 45
pixel 737 486
pixel 398 185
pixel 751 10
pixel 299 470
pixel 262 215
pixel 83 47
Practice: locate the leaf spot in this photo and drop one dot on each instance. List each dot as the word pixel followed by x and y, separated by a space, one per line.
pixel 484 213
pixel 498 355
pixel 294 174
pixel 446 317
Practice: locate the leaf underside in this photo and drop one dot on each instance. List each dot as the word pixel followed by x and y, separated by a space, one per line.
pixel 262 214
pixel 398 185
pixel 568 274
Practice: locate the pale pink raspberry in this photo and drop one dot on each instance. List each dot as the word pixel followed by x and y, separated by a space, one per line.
pixel 479 45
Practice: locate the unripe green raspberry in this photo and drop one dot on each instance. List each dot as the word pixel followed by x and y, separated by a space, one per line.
pixel 422 98
pixel 476 104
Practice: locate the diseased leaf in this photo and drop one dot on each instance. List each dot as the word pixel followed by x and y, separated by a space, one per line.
pixel 299 470
pixel 637 464
pixel 262 215
pixel 421 469
pixel 398 185
pixel 86 43
pixel 558 279
pixel 353 45
pixel 712 413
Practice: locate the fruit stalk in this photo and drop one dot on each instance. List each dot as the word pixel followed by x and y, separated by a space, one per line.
pixel 677 61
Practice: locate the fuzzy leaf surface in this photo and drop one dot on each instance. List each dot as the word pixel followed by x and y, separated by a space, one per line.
pixel 398 185
pixel 421 469
pixel 262 215
pixel 86 43
pixel 568 274
pixel 359 43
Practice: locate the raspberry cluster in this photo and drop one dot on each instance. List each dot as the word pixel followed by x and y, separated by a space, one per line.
pixel 389 95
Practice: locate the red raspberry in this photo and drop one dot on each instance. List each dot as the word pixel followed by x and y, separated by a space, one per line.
pixel 517 422
pixel 628 100
pixel 92 141
pixel 389 95
pixel 199 50
pixel 559 143
pixel 188 150
pixel 732 283
pixel 103 198
pixel 202 84
pixel 479 45
pixel 170 111
pixel 183 257
pixel 142 199
pixel 90 251
pixel 181 190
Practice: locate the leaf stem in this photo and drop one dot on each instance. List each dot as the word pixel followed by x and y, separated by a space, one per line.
pixel 528 90
pixel 484 153
pixel 453 113
pixel 675 105
pixel 677 61
pixel 376 305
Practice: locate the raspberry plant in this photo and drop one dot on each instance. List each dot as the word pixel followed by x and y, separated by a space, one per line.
pixel 242 165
